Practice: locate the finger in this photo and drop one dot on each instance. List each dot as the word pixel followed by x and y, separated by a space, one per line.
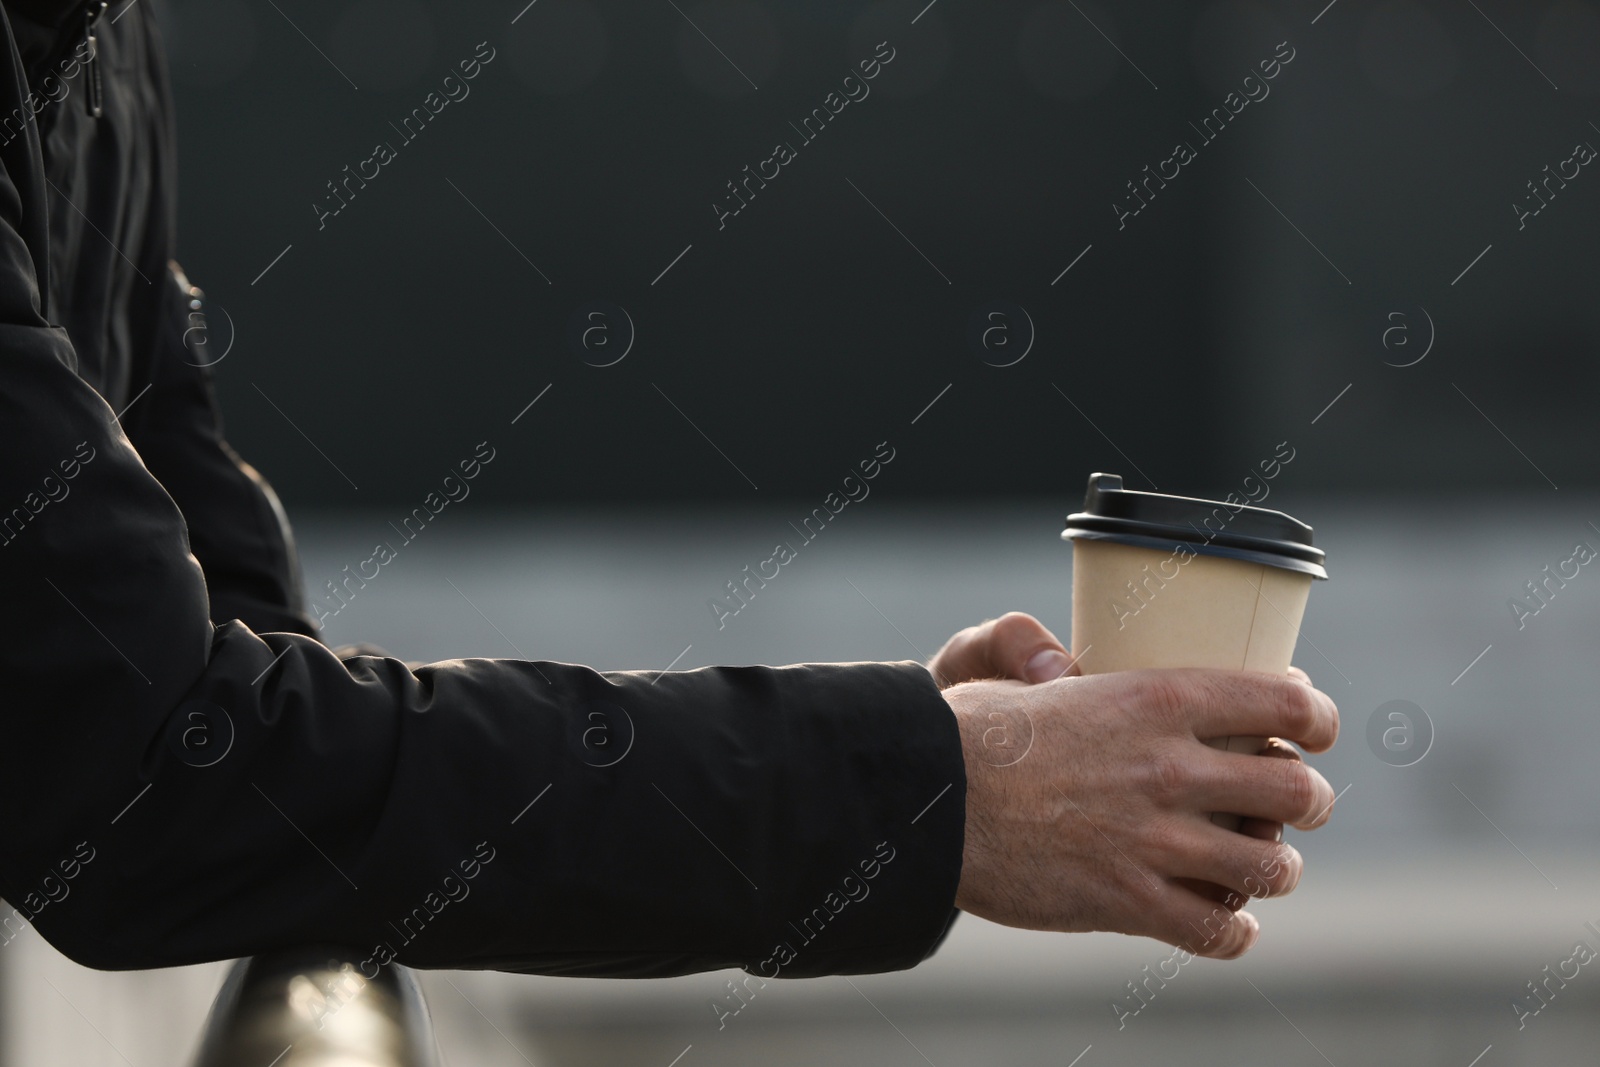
pixel 1021 647
pixel 1015 645
pixel 1221 703
pixel 1268 829
pixel 958 661
pixel 1280 790
pixel 1299 675
pixel 1239 864
pixel 1200 926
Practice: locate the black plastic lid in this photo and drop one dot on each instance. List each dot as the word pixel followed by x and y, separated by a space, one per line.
pixel 1206 527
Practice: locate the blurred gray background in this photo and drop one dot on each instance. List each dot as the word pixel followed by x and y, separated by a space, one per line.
pixel 1344 268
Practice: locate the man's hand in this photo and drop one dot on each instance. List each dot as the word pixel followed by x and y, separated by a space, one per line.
pixel 1089 801
pixel 1013 646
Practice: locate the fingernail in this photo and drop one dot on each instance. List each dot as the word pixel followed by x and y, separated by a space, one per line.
pixel 1046 665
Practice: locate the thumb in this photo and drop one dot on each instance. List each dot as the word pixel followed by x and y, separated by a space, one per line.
pixel 1015 646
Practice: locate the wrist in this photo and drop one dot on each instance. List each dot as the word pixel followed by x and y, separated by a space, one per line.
pixel 988 745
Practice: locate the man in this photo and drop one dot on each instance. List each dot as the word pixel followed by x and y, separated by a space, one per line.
pixel 190 775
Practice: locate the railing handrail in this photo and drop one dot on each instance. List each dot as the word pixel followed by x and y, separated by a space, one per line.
pixel 313 1005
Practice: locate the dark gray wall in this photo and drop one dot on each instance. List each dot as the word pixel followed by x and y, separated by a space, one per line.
pixel 809 329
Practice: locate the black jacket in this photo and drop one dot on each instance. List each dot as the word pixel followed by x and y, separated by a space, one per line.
pixel 189 775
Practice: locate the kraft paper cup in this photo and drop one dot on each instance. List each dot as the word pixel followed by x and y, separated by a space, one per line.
pixel 1168 581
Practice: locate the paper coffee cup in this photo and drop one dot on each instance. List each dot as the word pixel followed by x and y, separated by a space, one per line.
pixel 1171 581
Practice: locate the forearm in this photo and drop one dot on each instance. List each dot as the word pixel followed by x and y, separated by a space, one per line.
pixel 795 821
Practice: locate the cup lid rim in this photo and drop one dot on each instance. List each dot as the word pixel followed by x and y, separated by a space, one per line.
pixel 1157 520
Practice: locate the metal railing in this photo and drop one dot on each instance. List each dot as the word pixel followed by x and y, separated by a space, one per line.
pixel 312 1008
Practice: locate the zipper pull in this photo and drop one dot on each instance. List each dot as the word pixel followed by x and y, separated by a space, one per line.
pixel 94 99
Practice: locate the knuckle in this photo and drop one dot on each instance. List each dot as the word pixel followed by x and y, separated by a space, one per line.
pixel 1298 709
pixel 1166 774
pixel 1013 625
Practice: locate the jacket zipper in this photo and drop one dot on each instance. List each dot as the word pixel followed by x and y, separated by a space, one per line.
pixel 94 99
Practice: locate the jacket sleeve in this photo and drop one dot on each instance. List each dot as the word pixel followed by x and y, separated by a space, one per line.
pixel 237 529
pixel 173 791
